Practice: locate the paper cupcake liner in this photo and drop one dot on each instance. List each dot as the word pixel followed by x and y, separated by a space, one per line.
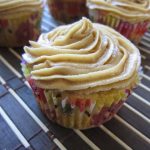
pixel 67 11
pixel 16 30
pixel 133 31
pixel 77 112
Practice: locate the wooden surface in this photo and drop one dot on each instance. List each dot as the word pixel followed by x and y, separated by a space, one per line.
pixel 24 127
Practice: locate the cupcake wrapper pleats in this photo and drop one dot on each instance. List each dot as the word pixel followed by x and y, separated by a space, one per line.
pixel 77 113
pixel 133 31
pixel 18 29
pixel 67 11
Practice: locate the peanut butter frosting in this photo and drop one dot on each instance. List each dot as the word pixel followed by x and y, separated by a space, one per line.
pixel 12 6
pixel 82 56
pixel 133 10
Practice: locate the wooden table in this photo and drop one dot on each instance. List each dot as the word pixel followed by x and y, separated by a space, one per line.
pixel 24 127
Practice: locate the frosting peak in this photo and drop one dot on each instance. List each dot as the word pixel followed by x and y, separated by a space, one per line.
pixel 70 36
pixel 82 56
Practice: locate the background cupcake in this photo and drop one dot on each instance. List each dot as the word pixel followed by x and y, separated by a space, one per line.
pixel 82 73
pixel 67 10
pixel 130 17
pixel 19 21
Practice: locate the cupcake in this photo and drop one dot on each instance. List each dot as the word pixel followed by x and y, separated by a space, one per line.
pixel 67 10
pixel 129 17
pixel 81 73
pixel 19 21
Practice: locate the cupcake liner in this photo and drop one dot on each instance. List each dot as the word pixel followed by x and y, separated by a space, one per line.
pixel 67 11
pixel 133 31
pixel 17 29
pixel 77 112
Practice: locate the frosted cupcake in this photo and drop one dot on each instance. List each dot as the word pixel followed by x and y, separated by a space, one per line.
pixel 19 21
pixel 81 73
pixel 67 10
pixel 129 17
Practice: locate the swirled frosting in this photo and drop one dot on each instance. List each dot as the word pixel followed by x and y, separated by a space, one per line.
pixel 9 6
pixel 134 10
pixel 82 56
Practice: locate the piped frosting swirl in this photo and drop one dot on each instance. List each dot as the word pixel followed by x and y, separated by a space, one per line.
pixel 12 6
pixel 82 56
pixel 133 10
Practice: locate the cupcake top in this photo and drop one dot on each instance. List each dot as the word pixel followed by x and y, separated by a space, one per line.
pixel 82 56
pixel 9 6
pixel 133 10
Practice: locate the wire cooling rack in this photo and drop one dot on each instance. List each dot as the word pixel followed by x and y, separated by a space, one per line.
pixel 24 127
